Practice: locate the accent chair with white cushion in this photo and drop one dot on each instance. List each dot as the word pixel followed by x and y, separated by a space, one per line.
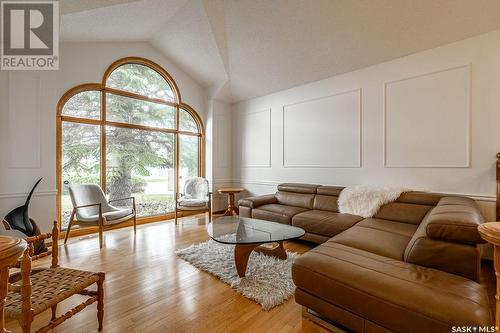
pixel 91 208
pixel 196 196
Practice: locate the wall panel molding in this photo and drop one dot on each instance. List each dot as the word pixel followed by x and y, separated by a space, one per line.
pixel 335 140
pixel 24 139
pixel 442 102
pixel 253 146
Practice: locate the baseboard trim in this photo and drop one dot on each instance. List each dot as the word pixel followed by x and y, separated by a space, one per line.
pixel 83 231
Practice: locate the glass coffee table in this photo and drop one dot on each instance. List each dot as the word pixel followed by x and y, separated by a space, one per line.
pixel 249 235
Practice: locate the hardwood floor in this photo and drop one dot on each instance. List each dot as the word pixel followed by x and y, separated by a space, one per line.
pixel 148 289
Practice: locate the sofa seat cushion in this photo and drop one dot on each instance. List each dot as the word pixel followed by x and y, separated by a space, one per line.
pixel 382 237
pixel 324 223
pixel 116 215
pixel 276 213
pixel 393 294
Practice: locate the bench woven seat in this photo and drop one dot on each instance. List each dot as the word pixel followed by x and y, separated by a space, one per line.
pixel 49 287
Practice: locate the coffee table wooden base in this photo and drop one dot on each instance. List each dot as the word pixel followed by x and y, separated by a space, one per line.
pixel 242 253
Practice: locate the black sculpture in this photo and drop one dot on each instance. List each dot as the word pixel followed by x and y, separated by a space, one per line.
pixel 19 219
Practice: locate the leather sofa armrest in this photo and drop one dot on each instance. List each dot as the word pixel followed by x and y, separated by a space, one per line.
pixel 254 202
pixel 455 220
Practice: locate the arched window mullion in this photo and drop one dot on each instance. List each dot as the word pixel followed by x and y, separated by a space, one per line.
pixel 177 147
pixel 86 87
pixel 142 127
pixel 147 63
pixel 129 94
pixel 103 141
pixel 189 133
pixel 194 115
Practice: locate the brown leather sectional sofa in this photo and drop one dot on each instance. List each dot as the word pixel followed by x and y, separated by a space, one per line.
pixel 413 267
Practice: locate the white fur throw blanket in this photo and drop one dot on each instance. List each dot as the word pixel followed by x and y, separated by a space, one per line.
pixel 366 200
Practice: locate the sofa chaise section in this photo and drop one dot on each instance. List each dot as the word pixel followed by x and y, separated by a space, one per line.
pixel 355 289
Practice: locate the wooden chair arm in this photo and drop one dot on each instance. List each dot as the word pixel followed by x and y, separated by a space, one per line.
pixel 127 198
pixel 85 206
pixel 54 251
pixel 120 199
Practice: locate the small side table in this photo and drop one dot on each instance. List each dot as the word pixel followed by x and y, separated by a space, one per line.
pixel 11 248
pixel 490 232
pixel 231 210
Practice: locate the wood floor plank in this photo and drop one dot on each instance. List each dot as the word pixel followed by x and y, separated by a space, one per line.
pixel 149 289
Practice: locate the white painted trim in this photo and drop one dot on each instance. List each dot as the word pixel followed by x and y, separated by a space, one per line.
pixel 360 127
pixel 469 120
pixel 257 182
pixel 221 181
pixel 477 196
pixel 24 195
pixel 268 165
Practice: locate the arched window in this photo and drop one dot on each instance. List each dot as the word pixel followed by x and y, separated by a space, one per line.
pixel 132 135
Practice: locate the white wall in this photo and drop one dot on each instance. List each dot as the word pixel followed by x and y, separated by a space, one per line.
pixel 426 121
pixel 28 117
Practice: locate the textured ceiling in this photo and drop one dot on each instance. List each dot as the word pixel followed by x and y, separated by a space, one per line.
pixel 240 49
pixel 125 21
pixel 73 6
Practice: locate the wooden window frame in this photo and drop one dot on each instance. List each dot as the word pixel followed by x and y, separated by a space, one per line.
pixel 103 122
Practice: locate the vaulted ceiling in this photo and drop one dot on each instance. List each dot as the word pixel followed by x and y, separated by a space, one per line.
pixel 240 49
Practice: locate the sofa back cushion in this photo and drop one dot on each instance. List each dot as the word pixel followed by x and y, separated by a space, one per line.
pixel 329 190
pixel 297 195
pixel 410 207
pixel 447 237
pixel 298 188
pixel 327 198
pixel 326 202
pixel 455 219
pixel 403 212
pixel 301 200
pixel 420 198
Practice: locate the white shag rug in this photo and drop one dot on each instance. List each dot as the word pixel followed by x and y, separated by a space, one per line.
pixel 268 280
pixel 364 200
